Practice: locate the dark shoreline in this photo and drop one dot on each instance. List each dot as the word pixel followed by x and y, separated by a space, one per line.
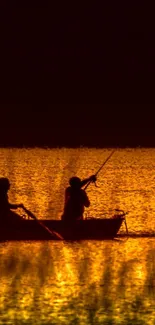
pixel 73 147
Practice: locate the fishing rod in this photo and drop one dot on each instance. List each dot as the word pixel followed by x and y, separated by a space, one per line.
pixel 124 214
pixel 104 162
pixel 101 167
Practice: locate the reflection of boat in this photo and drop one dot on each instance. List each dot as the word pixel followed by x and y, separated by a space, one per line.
pixel 91 228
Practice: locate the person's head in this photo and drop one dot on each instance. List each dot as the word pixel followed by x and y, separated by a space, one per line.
pixel 75 182
pixel 4 184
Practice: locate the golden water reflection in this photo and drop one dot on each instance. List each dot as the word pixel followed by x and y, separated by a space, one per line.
pixel 89 282
pixel 58 282
pixel 39 177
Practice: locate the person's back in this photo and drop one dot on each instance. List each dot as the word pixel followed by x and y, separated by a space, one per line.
pixel 6 215
pixel 76 199
pixel 4 206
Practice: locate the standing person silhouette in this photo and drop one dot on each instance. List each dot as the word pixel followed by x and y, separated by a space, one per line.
pixel 76 199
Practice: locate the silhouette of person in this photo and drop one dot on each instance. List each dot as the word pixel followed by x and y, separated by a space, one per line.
pixel 76 199
pixel 6 215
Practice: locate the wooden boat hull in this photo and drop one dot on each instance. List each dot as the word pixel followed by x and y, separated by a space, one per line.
pixel 80 230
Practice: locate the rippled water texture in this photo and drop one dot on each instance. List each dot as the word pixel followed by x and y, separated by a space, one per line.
pixel 87 282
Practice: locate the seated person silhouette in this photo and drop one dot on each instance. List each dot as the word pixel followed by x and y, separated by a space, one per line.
pixel 76 199
pixel 6 215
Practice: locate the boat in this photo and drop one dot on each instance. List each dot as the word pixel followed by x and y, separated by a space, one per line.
pixel 87 229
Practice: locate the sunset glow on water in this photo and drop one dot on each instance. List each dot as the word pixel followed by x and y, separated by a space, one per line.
pixel 85 282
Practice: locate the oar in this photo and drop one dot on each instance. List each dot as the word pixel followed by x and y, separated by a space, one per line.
pixel 101 167
pixel 51 232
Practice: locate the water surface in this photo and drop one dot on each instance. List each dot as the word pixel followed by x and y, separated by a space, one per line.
pixel 87 282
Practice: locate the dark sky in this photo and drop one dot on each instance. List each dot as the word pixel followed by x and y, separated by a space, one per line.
pixel 86 71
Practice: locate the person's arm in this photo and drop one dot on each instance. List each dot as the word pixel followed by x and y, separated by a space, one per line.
pixel 15 206
pixel 86 199
pixel 87 180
